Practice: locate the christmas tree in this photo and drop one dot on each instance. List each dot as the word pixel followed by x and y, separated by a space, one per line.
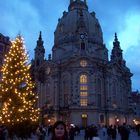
pixel 18 99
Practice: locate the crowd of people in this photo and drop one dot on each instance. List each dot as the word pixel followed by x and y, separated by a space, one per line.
pixel 60 131
pixel 3 132
pixel 113 130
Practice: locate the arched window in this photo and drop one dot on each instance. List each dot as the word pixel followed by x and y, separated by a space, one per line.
pixel 99 92
pixel 102 118
pixel 65 90
pixel 83 79
pixel 83 63
pixel 84 119
pixel 83 90
pixel 114 91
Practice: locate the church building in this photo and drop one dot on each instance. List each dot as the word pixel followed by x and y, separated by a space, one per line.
pixel 4 48
pixel 78 82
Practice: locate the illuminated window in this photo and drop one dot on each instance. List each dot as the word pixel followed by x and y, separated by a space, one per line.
pixel 83 87
pixel 83 94
pixel 83 90
pixel 83 79
pixel 83 63
pixel 83 102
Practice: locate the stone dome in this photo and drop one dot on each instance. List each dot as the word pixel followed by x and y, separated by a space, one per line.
pixel 77 21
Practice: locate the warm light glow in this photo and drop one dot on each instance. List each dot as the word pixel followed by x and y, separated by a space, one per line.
pixel 117 120
pixel 136 122
pixel 83 90
pixel 83 79
pixel 18 99
pixel 83 63
pixel 84 94
pixel 83 102
pixel 84 115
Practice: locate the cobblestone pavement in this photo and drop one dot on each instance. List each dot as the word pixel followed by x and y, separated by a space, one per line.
pixel 133 136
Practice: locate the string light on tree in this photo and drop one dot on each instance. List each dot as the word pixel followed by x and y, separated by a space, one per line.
pixel 17 89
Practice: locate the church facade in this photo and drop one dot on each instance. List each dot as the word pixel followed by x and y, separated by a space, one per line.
pixel 4 48
pixel 78 83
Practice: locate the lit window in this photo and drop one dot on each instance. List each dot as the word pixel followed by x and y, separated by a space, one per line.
pixel 83 63
pixel 83 94
pixel 83 102
pixel 83 79
pixel 83 87
pixel 83 90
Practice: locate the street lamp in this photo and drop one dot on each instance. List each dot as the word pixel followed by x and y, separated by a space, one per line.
pixel 49 121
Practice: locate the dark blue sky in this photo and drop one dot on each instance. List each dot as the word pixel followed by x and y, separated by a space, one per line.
pixel 28 17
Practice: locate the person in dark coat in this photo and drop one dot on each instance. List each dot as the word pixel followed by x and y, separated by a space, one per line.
pixel 109 131
pixel 138 129
pixel 1 132
pixel 41 133
pixel 86 133
pixel 114 132
pixel 124 132
pixel 72 133
pixel 95 134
